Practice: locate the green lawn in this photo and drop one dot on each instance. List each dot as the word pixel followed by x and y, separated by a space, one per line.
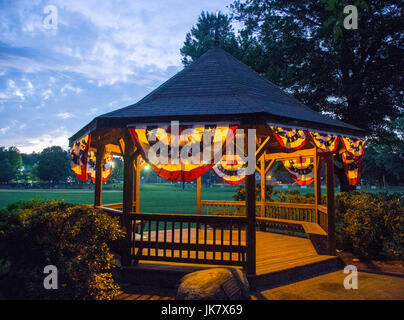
pixel 162 198
pixel 153 198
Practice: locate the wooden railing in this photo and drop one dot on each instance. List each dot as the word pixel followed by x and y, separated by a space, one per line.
pixel 223 208
pixel 216 236
pixel 322 219
pixel 189 238
pixel 277 210
pixel 288 211
pixel 114 208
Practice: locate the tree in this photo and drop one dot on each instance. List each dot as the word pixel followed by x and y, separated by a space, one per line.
pixel 117 170
pixel 302 46
pixel 353 75
pixel 53 165
pixel 202 37
pixel 30 164
pixel 10 163
pixel 383 160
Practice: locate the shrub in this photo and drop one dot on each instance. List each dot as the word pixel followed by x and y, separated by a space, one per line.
pixel 297 197
pixel 241 194
pixel 73 238
pixel 370 225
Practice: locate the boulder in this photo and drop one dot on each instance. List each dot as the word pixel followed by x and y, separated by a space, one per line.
pixel 214 284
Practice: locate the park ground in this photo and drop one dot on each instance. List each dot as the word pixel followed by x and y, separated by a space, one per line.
pixel 155 198
pixel 171 198
pixel 371 286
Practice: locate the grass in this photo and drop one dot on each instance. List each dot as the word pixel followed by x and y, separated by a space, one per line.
pixel 158 198
pixel 163 198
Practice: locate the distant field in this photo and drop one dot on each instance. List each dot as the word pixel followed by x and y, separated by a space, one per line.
pixel 153 198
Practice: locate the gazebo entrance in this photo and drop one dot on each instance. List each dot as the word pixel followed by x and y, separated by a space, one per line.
pixel 223 232
pixel 219 91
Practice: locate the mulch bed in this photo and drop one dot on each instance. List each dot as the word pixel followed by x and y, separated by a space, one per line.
pixel 378 266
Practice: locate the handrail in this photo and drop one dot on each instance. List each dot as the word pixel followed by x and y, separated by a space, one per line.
pixel 187 217
pixel 274 204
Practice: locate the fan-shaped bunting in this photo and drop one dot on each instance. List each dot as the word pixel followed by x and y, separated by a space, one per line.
pixel 231 169
pixel 301 169
pixel 289 139
pixel 79 157
pixel 179 164
pixel 325 142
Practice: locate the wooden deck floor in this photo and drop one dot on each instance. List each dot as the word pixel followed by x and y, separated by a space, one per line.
pixel 275 252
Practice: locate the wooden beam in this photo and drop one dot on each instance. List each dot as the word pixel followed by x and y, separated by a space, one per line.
pixel 198 195
pixel 316 183
pixel 251 218
pixel 137 185
pixel 262 145
pixel 98 174
pixel 284 156
pixel 263 184
pixel 269 166
pixel 127 202
pixel 330 203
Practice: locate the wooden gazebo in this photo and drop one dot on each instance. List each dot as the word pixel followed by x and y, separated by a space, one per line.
pixel 217 88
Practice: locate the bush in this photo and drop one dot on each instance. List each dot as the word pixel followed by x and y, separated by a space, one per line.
pixel 296 197
pixel 370 225
pixel 241 194
pixel 74 238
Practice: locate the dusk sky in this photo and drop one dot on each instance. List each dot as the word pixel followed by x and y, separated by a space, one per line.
pixel 103 55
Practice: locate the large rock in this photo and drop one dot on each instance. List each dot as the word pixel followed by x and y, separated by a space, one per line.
pixel 213 284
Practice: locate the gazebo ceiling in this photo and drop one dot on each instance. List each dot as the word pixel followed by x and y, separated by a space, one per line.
pixel 218 87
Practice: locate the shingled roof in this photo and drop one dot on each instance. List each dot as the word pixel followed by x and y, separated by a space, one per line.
pixel 218 87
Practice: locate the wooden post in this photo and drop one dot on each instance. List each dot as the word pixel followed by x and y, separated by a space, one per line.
pixel 99 156
pixel 263 185
pixel 137 187
pixel 251 236
pixel 198 195
pixel 316 186
pixel 127 198
pixel 330 203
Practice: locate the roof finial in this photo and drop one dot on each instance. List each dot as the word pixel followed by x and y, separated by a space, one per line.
pixel 217 29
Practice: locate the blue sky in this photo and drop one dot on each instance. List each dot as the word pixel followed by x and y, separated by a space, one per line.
pixel 103 55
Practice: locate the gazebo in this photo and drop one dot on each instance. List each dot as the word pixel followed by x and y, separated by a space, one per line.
pixel 218 91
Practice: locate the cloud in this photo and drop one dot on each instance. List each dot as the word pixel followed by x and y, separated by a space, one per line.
pixel 64 115
pixel 102 56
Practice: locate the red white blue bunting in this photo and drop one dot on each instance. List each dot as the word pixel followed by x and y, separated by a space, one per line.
pixel 301 169
pixel 325 142
pixel 174 168
pixel 289 139
pixel 231 169
pixel 79 157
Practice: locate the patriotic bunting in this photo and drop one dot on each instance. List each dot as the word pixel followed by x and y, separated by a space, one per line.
pixel 289 139
pixel 107 167
pixel 353 167
pixel 79 156
pixel 178 153
pixel 231 169
pixel 355 147
pixel 83 160
pixel 325 142
pixel 156 145
pixel 301 169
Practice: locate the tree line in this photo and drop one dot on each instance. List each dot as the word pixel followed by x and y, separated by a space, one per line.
pixel 382 166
